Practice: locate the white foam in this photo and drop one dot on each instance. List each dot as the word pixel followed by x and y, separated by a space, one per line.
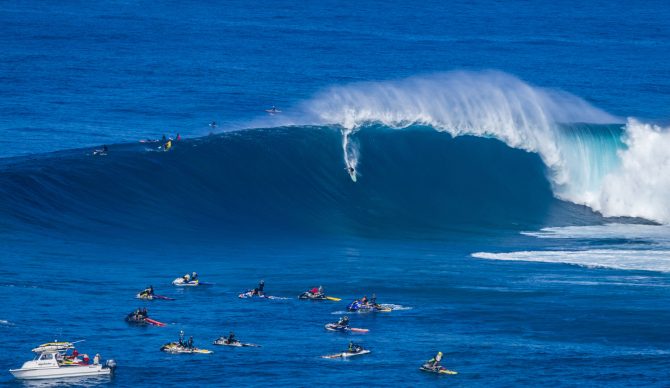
pixel 640 186
pixel 617 177
pixel 647 260
pixel 652 233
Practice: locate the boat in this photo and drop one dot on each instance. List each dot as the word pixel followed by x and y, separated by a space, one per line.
pixel 181 282
pixel 357 306
pixel 51 362
pixel 344 329
pixel 175 348
pixel 223 341
pixel 438 370
pixel 347 354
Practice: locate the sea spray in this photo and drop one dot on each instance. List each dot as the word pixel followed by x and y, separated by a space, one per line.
pixel 603 170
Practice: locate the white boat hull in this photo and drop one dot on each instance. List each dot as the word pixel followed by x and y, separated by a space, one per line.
pixel 60 372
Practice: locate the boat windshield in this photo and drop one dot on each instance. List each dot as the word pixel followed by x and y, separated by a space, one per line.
pixel 46 356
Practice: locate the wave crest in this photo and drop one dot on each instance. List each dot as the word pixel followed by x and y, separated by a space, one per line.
pixel 621 172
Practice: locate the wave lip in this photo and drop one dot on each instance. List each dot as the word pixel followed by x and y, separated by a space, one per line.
pixel 623 172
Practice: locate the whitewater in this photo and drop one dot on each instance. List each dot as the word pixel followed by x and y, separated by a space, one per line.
pixel 619 174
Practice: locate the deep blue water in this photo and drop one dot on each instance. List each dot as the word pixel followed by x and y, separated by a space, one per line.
pixel 471 126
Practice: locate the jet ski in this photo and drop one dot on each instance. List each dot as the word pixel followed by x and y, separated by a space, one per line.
pixel 175 348
pixel 251 294
pixel 152 297
pixel 437 370
pixel 344 329
pixel 181 282
pixel 223 341
pixel 308 295
pixel 357 306
pixel 136 319
pixel 141 320
pixel 347 354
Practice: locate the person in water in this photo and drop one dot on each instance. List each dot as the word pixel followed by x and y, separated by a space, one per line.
pixel 212 124
pixel 344 321
pixel 167 145
pixel 164 138
pixel 181 338
pixel 373 300
pixel 178 137
pixel 261 286
pixel 190 342
pixel 187 278
pixel 194 276
pixel 435 361
pixel 364 300
pixel 354 348
pixel 231 338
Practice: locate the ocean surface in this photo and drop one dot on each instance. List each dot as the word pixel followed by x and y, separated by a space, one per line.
pixel 511 197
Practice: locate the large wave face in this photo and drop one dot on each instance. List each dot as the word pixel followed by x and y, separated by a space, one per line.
pixel 616 171
pixel 268 182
